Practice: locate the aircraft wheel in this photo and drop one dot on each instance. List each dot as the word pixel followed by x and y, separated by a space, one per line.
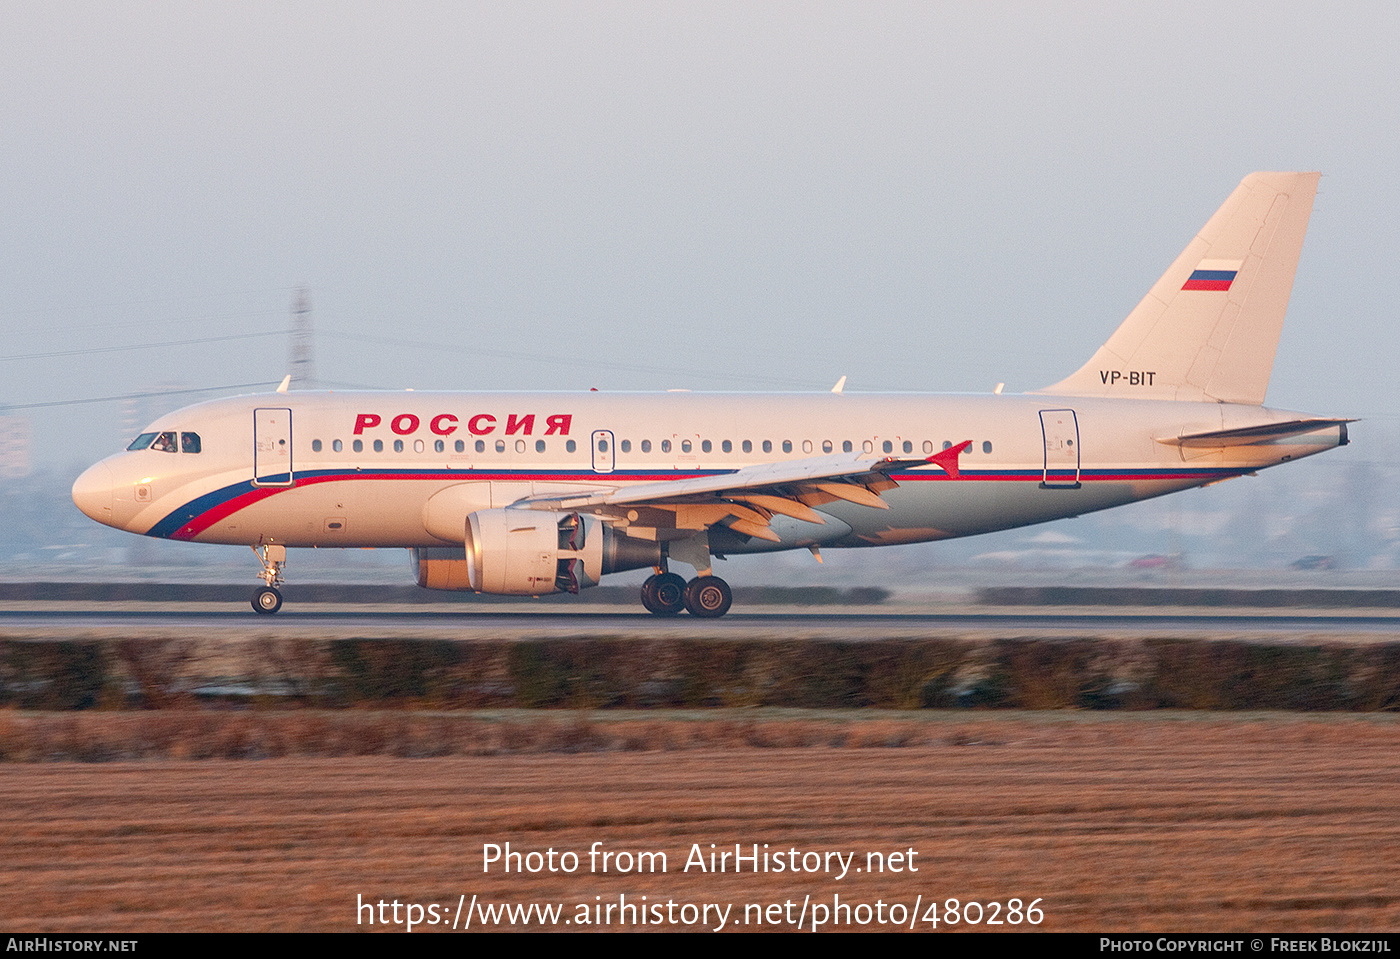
pixel 708 597
pixel 664 594
pixel 267 600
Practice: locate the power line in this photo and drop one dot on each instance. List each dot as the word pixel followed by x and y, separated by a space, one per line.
pixel 137 346
pixel 557 359
pixel 111 399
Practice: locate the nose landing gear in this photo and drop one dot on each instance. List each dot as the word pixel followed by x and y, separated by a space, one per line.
pixel 267 598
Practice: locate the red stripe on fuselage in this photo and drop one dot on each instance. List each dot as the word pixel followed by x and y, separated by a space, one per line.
pixel 233 505
pixel 227 508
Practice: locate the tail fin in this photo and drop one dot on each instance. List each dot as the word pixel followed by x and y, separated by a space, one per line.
pixel 1209 328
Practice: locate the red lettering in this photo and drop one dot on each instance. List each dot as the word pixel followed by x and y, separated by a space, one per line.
pixel 437 424
pixel 514 425
pixel 558 423
pixel 481 424
pixel 366 421
pixel 404 423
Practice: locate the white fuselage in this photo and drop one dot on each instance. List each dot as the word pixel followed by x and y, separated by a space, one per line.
pixel 405 469
pixel 528 493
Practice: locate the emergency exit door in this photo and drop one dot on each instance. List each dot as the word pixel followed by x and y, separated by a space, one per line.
pixel 603 453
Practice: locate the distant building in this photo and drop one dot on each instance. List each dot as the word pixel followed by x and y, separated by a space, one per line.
pixel 14 447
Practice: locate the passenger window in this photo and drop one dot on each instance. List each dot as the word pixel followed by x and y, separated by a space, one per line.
pixel 846 446
pixel 787 446
pixel 806 446
pixel 189 442
pixel 665 446
pixel 439 447
pixel 337 445
pixel 359 446
pixel 539 446
pixel 727 446
pixel 867 447
pixel 520 446
pixel 685 446
pixel 888 447
pixel 418 446
pixel 826 446
pixel 986 446
pixel 646 446
pixel 908 446
pixel 571 446
pixel 947 444
pixel 767 446
pixel 398 446
pixel 379 446
pixel 748 446
pixel 928 446
pixel 626 446
pixel 602 446
pixel 315 446
pixel 705 446
pixel 500 446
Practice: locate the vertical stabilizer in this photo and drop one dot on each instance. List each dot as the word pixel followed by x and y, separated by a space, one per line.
pixel 1209 328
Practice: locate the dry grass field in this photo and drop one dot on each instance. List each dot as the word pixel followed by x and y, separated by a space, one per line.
pixel 1142 822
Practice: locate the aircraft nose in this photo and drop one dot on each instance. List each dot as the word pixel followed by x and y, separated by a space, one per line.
pixel 92 493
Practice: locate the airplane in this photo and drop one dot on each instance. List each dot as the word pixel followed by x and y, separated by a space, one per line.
pixel 534 493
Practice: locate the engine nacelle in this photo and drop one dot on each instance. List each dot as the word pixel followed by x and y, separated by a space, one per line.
pixel 528 552
pixel 525 552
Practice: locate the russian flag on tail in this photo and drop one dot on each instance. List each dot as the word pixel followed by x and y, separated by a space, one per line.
pixel 1213 275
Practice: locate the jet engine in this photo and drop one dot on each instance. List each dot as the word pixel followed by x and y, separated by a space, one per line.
pixel 524 552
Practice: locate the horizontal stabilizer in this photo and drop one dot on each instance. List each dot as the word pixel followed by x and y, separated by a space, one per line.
pixel 1252 435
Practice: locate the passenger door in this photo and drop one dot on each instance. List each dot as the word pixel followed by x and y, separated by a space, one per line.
pixel 1061 431
pixel 272 447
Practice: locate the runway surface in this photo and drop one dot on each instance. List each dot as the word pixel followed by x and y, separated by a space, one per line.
pixel 39 620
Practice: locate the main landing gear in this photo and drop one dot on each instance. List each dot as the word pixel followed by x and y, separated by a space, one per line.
pixel 267 598
pixel 707 597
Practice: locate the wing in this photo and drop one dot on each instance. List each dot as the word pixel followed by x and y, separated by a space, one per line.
pixel 747 499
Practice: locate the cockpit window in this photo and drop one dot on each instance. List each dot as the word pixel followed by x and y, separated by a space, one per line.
pixel 165 442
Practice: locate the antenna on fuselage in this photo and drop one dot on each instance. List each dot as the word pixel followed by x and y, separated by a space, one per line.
pixel 302 364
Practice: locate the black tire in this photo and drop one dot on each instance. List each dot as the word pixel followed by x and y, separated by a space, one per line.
pixel 266 600
pixel 708 597
pixel 664 594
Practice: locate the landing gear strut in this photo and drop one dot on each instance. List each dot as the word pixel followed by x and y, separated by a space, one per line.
pixel 267 598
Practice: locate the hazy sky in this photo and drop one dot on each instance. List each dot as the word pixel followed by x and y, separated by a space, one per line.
pixel 518 195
